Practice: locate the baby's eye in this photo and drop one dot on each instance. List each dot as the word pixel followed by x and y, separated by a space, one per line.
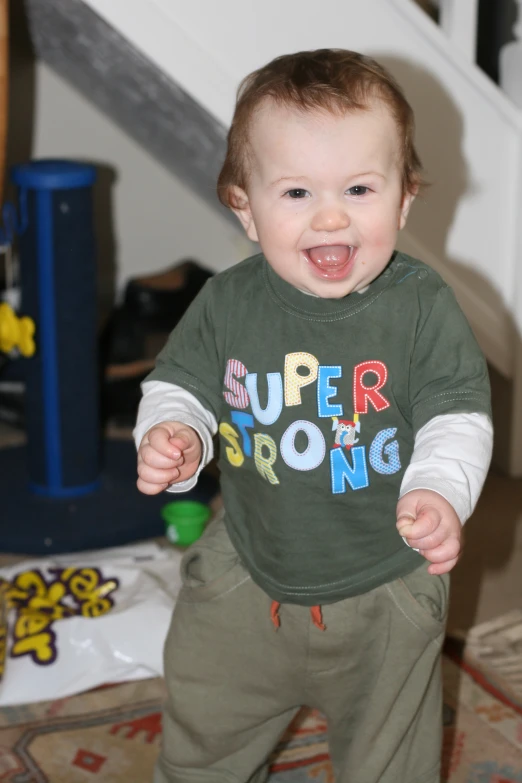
pixel 358 190
pixel 297 193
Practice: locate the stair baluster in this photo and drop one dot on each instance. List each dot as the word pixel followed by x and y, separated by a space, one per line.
pixel 510 63
pixel 459 20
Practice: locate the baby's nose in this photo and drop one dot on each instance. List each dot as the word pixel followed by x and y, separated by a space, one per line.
pixel 330 218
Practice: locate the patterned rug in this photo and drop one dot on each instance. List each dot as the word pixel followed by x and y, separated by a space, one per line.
pixel 112 734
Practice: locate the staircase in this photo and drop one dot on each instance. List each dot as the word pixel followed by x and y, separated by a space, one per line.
pixel 167 72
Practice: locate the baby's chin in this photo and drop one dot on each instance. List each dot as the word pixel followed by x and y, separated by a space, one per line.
pixel 334 290
pixel 330 288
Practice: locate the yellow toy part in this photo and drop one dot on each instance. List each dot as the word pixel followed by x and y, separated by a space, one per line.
pixel 16 332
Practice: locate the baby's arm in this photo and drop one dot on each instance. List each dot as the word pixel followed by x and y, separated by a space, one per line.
pixel 442 484
pixel 173 435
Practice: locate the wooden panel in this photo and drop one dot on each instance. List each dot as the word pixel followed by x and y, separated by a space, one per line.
pixel 4 88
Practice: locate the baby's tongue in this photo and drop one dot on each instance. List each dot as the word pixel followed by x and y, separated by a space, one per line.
pixel 329 257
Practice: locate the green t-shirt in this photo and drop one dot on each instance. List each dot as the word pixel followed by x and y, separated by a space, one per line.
pixel 318 402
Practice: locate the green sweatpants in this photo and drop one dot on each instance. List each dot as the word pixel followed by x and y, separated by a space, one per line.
pixel 235 682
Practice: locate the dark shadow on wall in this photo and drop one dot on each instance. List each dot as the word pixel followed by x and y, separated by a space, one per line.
pixel 439 133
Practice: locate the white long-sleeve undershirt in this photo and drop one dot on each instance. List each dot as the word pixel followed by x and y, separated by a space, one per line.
pixel 451 453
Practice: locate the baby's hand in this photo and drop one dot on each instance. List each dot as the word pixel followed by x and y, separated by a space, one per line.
pixel 170 452
pixel 429 523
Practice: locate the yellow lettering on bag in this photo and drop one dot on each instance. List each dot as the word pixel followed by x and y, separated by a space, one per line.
pixel 40 646
pixel 87 587
pixel 30 623
pixel 49 603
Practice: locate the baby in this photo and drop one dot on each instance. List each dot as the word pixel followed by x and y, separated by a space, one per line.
pixel 353 409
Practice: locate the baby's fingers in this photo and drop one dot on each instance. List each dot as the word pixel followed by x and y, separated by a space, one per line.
pixel 449 550
pixel 150 489
pixel 442 568
pixel 159 439
pixel 156 476
pixel 425 524
pixel 431 541
pixel 179 444
pixel 155 459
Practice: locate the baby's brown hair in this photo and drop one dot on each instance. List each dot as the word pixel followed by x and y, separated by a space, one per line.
pixel 335 80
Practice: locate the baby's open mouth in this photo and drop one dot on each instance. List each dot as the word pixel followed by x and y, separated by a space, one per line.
pixel 332 261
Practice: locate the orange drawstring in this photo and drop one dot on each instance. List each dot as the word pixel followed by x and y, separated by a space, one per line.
pixel 317 617
pixel 315 613
pixel 274 614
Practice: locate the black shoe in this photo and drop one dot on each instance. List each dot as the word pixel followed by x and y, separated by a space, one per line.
pixel 138 329
pixel 160 300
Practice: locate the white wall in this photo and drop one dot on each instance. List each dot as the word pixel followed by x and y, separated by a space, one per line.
pixel 157 220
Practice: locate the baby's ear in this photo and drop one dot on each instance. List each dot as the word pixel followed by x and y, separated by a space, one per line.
pixel 240 206
pixel 407 201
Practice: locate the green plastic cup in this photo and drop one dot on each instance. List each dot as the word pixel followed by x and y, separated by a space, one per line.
pixel 185 521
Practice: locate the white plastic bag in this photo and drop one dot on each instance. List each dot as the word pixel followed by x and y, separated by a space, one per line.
pixel 75 622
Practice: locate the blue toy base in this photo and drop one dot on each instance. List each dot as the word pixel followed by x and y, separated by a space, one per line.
pixel 115 514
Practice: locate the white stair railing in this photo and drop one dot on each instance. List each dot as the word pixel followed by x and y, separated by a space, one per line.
pixel 510 64
pixel 459 20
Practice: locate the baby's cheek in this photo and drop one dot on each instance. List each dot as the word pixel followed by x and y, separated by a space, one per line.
pixel 384 235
